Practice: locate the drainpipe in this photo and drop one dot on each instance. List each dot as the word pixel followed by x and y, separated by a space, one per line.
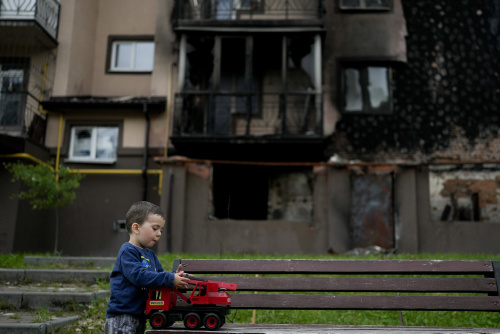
pixel 145 162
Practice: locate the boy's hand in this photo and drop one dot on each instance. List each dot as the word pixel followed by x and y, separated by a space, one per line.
pixel 180 282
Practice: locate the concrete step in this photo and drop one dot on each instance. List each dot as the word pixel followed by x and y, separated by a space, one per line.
pixel 98 262
pixel 54 275
pixel 13 323
pixel 32 298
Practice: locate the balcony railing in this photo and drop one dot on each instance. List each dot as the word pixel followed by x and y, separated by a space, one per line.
pixel 45 12
pixel 20 115
pixel 250 9
pixel 248 114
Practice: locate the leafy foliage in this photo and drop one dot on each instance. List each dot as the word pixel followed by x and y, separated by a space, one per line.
pixel 47 188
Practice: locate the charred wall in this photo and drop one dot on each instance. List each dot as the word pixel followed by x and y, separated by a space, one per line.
pixel 445 97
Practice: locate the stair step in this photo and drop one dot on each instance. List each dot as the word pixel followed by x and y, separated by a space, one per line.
pixel 70 260
pixel 54 275
pixel 25 325
pixel 32 300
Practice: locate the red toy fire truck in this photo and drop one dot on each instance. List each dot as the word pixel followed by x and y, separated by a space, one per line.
pixel 208 305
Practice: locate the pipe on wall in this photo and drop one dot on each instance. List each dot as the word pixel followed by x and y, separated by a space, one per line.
pixel 146 146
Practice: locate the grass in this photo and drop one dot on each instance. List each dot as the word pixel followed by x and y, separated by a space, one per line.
pixel 16 261
pixel 42 315
pixel 93 317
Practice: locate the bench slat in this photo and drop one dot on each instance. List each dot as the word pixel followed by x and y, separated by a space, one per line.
pixel 373 267
pixel 363 302
pixel 361 284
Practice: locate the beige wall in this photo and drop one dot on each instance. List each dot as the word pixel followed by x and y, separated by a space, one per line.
pixel 83 45
pixel 81 62
pixel 75 56
pixel 125 18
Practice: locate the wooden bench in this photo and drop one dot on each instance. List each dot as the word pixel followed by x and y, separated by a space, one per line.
pixel 374 284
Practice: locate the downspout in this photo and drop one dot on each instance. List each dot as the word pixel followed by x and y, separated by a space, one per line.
pixel 145 161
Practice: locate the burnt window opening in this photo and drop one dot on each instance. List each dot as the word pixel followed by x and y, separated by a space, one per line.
pixel 366 89
pixel 262 84
pixel 462 208
pixel 13 79
pixel 262 193
pixel 464 193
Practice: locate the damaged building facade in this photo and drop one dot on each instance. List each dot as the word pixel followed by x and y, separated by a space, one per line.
pixel 266 126
pixel 406 97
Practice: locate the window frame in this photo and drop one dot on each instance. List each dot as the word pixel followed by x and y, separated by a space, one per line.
pixel 114 41
pixel 14 68
pixel 366 109
pixel 362 7
pixel 94 127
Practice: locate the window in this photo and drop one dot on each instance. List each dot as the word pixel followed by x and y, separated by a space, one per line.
pixel 93 144
pixel 131 56
pixel 227 9
pixel 366 89
pixel 365 4
pixel 12 92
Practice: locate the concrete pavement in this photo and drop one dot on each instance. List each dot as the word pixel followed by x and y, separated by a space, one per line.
pixel 178 328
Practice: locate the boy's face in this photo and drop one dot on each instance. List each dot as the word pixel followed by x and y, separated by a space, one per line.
pixel 147 234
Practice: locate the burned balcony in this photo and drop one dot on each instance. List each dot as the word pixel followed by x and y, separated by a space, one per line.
pixel 246 114
pixel 249 126
pixel 245 10
pixel 20 15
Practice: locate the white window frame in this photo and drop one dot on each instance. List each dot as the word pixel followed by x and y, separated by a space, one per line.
pixel 92 157
pixel 363 6
pixel 113 67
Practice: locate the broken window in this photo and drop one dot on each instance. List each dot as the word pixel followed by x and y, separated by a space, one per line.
pixel 262 193
pixel 96 144
pixel 12 91
pixel 366 89
pixel 301 102
pixel 197 78
pixel 199 63
pixel 460 194
pixel 234 83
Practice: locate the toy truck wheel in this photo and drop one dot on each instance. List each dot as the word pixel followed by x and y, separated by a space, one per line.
pixel 192 321
pixel 212 322
pixel 158 321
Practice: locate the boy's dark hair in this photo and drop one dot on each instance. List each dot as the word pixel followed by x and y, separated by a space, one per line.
pixel 140 211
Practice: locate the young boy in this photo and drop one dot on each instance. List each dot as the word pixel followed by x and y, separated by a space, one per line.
pixel 136 270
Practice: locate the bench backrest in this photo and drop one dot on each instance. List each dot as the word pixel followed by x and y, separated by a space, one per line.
pixel 391 284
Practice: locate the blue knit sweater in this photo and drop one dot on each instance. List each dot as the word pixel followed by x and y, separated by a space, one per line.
pixel 136 271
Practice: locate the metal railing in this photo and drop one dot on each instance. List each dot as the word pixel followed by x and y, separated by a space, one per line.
pixel 20 116
pixel 45 12
pixel 249 9
pixel 248 114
